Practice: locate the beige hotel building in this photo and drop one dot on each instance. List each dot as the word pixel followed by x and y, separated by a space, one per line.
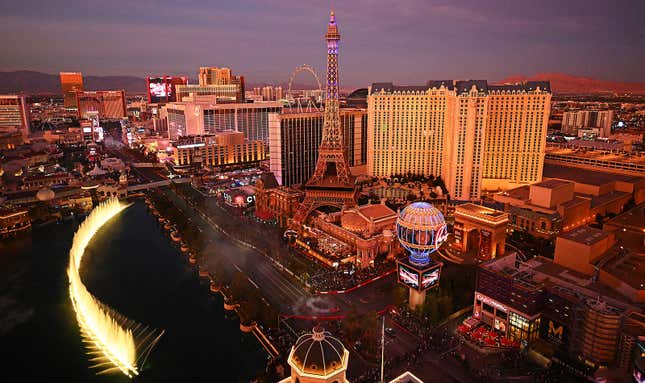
pixel 476 136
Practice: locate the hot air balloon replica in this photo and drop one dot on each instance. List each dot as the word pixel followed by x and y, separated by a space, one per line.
pixel 421 229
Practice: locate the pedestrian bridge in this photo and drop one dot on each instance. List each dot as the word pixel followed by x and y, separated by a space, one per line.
pixel 157 184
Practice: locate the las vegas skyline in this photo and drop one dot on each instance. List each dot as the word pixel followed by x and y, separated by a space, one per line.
pixel 406 42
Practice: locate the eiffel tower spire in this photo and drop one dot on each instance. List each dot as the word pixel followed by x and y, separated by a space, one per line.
pixel 332 184
pixel 332 162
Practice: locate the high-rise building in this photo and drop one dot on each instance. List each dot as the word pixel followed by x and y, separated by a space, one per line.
pixel 572 121
pixel 110 104
pixel 472 134
pixel 70 83
pixel 212 78
pixel 14 115
pixel 271 93
pixel 294 139
pixel 221 149
pixel 223 93
pixel 203 115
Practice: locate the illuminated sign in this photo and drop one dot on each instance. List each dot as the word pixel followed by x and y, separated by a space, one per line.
pixel 441 235
pixel 491 302
pixel 459 236
pixel 162 89
pixel 408 277
pixel 555 331
pixel 420 279
pixel 430 278
pixel 188 146
pixel 87 130
pixel 484 243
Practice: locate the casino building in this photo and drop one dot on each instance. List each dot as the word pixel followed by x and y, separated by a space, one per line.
pixel 560 313
pixel 367 229
pixel 197 115
pixel 475 135
pixel 224 149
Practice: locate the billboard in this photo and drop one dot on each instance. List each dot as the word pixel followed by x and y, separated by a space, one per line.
pixel 162 89
pixel 430 278
pixel 419 279
pixel 485 243
pixel 459 236
pixel 408 276
pixel 553 331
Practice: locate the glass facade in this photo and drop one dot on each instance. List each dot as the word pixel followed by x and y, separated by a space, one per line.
pixel 252 121
pixel 294 151
pixel 521 328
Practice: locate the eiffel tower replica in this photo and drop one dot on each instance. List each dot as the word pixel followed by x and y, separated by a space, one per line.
pixel 332 183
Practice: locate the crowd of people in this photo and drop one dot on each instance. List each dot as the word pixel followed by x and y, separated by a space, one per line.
pixel 421 327
pixel 343 278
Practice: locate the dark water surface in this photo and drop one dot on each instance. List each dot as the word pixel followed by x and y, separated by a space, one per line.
pixel 131 266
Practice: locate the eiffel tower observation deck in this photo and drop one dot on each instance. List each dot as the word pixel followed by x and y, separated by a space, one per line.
pixel 332 183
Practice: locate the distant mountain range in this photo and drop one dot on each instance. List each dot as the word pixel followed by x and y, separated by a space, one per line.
pixel 568 84
pixel 31 82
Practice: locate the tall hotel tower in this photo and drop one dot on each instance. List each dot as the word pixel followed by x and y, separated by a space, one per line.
pixel 474 135
pixel 70 83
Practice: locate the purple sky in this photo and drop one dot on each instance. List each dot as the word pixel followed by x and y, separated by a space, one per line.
pixel 405 41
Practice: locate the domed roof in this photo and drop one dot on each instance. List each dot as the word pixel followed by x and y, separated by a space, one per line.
pixel 421 215
pixel 318 353
pixel 45 194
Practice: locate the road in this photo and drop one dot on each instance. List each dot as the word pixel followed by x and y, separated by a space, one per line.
pixel 288 296
pixel 276 287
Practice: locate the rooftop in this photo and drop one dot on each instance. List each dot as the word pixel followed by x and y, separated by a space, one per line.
pixel 552 184
pixel 520 193
pixel 481 212
pixel 588 177
pixel 461 86
pixel 607 198
pixel 6 212
pixel 627 267
pixel 559 277
pixel 376 211
pixel 597 155
pixel 319 354
pixel 631 219
pixel 585 235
